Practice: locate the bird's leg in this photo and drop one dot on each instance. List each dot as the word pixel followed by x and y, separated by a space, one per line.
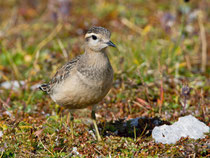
pixel 71 123
pixel 93 116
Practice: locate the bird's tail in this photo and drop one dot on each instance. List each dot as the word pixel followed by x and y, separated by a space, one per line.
pixel 44 88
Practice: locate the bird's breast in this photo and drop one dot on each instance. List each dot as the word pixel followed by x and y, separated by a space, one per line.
pixel 79 90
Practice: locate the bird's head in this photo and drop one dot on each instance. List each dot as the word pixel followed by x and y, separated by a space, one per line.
pixel 98 38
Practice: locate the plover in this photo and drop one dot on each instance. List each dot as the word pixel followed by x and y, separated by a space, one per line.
pixel 85 80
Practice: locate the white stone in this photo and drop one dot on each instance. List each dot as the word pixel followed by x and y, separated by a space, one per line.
pixel 14 85
pixel 187 126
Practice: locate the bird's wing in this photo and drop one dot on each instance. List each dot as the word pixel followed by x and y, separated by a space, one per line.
pixel 60 75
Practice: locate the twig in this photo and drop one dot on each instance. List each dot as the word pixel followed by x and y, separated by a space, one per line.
pixel 4 76
pixel 4 104
pixel 69 155
pixel 10 23
pixel 143 102
pixel 160 102
pixel 45 147
pixel 203 41
pixel 45 41
pixel 131 25
pixel 140 105
pixel 10 93
pixel 139 138
pixel 65 54
pixel 2 153
pixel 99 152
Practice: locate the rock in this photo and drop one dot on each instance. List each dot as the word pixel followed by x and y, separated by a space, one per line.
pixel 13 85
pixel 187 126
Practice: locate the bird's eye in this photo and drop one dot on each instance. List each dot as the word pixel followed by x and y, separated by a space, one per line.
pixel 94 37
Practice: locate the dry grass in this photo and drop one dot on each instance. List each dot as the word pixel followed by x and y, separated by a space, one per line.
pixel 162 47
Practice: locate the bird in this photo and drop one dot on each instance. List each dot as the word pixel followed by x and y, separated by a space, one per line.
pixel 85 80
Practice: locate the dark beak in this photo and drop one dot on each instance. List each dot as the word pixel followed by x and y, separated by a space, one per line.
pixel 111 44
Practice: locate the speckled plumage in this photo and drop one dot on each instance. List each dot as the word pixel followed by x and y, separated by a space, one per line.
pixel 60 75
pixel 86 79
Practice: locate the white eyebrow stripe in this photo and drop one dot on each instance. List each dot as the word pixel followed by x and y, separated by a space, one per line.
pixel 89 34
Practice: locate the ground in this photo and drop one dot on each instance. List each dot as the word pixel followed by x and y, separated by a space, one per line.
pixel 160 65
